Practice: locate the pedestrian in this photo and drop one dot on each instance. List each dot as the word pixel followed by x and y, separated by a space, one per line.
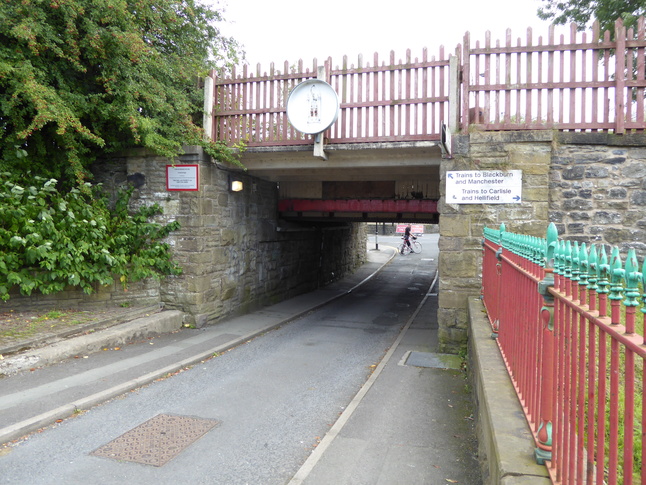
pixel 407 236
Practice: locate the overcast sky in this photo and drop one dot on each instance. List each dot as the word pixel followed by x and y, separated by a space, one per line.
pixel 289 30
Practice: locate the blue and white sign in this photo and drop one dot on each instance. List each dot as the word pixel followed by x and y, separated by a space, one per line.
pixel 484 187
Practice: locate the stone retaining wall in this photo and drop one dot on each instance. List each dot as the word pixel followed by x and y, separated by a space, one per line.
pixel 236 256
pixel 461 226
pixel 598 189
pixel 592 185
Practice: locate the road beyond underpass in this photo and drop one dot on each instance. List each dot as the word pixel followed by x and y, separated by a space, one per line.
pixel 344 394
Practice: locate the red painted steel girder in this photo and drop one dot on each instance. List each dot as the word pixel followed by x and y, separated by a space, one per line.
pixel 358 205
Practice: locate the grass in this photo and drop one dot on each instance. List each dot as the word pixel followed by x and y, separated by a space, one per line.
pixel 24 325
pixel 620 401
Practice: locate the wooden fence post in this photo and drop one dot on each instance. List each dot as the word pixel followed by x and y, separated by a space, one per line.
pixel 454 94
pixel 466 73
pixel 620 77
pixel 544 450
pixel 207 120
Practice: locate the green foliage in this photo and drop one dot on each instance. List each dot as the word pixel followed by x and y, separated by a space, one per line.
pixel 583 12
pixel 80 78
pixel 49 240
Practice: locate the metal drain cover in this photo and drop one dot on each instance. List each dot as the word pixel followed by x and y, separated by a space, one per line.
pixel 158 440
pixel 433 360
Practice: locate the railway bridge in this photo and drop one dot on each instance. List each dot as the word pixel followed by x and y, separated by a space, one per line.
pixel 379 153
pixel 540 108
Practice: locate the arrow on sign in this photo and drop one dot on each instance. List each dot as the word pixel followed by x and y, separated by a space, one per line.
pixel 449 175
pixel 516 198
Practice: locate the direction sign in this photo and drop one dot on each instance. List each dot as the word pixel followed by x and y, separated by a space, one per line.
pixel 484 187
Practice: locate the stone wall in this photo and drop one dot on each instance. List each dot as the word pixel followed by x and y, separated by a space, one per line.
pixel 139 294
pixel 591 185
pixel 598 189
pixel 461 226
pixel 235 255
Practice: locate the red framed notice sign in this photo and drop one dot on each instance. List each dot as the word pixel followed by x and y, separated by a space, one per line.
pixel 182 177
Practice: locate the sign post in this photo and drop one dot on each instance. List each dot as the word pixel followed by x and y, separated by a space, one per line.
pixel 484 187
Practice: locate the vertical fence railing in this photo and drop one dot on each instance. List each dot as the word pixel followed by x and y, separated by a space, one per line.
pixel 568 331
pixel 250 108
pixel 581 81
pixel 394 101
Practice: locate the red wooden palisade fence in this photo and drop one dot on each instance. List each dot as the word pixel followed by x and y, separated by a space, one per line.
pixel 576 361
pixel 401 101
pixel 573 82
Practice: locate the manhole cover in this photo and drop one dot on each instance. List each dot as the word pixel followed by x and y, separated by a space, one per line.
pixel 433 360
pixel 158 440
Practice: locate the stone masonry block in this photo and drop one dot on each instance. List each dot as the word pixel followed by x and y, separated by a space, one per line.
pixel 227 237
pixel 453 299
pixel 455 225
pixel 199 284
pixel 534 136
pixel 535 194
pixel 461 264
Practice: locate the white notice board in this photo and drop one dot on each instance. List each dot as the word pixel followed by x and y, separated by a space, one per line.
pixel 182 177
pixel 484 187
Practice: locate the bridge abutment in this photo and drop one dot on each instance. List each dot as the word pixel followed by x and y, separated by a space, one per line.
pixel 461 225
pixel 591 185
pixel 235 254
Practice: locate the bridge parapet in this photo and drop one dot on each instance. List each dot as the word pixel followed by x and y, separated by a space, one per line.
pixel 587 82
pixel 394 102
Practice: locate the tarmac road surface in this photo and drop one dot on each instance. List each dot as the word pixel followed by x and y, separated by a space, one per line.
pixel 269 402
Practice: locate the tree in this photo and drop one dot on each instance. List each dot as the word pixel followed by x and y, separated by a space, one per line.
pixel 79 78
pixel 583 12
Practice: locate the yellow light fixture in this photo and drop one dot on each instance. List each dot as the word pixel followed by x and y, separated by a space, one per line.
pixel 235 185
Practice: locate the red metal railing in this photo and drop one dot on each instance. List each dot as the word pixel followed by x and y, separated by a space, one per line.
pixel 588 82
pixel 577 363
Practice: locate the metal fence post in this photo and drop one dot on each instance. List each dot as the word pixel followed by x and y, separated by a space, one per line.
pixel 544 450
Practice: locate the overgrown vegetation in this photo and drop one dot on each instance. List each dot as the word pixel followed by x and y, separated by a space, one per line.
pixel 51 239
pixel 81 79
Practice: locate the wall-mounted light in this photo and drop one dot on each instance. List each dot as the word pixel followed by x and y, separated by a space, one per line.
pixel 235 185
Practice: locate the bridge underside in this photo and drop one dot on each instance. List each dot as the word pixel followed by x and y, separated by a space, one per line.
pixel 376 182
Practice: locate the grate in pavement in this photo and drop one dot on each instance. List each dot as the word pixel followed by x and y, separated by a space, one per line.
pixel 158 440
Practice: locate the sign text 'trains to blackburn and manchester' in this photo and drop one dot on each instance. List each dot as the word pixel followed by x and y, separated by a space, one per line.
pixel 484 187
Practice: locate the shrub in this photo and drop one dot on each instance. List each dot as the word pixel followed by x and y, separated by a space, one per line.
pixel 49 240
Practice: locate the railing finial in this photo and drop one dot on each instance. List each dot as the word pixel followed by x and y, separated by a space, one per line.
pixel 593 268
pixel 632 279
pixel 617 275
pixel 552 241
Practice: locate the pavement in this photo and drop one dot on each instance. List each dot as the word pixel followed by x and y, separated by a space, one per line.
pixel 393 449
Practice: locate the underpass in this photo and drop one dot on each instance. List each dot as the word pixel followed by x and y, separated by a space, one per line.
pixel 273 399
